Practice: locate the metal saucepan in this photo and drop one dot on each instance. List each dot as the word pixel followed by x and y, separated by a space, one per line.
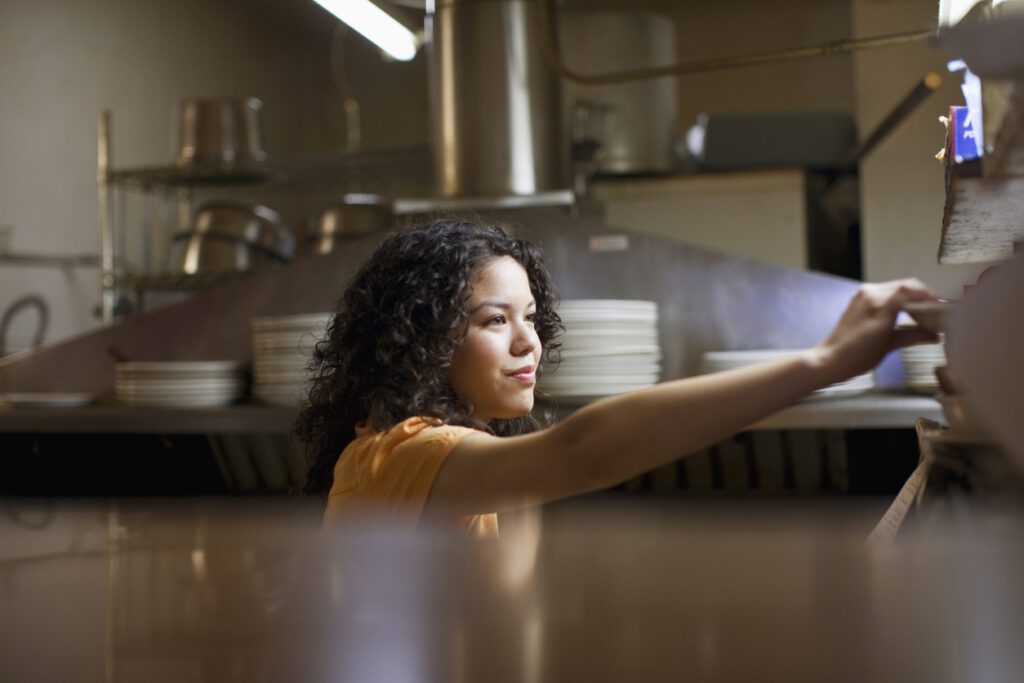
pixel 220 131
pixel 228 236
pixel 354 216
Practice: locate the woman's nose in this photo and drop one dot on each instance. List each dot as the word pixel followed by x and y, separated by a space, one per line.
pixel 525 340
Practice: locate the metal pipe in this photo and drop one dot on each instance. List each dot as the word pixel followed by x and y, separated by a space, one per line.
pixel 107 294
pixel 22 259
pixel 835 47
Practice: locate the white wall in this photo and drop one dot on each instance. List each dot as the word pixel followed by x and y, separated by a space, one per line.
pixel 62 61
pixel 902 191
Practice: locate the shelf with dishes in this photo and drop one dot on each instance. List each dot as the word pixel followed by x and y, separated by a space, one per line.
pixel 188 396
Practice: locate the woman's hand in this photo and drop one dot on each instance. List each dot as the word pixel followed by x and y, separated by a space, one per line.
pixel 866 331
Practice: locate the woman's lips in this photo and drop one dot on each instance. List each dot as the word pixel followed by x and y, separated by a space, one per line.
pixel 525 375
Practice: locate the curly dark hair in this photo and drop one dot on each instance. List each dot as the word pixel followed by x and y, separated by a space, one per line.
pixel 389 347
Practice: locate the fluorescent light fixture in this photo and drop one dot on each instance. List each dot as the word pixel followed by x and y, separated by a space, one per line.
pixel 376 25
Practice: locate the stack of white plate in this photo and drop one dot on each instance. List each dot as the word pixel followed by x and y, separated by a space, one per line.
pixel 919 363
pixel 610 347
pixel 282 347
pixel 717 361
pixel 180 384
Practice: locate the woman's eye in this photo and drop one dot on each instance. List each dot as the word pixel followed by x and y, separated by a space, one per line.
pixel 498 319
pixel 531 318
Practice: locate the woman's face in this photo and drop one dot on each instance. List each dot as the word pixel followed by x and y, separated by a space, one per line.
pixel 495 368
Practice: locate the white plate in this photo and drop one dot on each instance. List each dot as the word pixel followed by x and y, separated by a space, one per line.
pixel 602 387
pixel 838 392
pixel 277 362
pixel 614 380
pixel 280 388
pixel 611 351
pixel 607 317
pixel 292 354
pixel 312 321
pixel 610 365
pixel 602 347
pixel 283 402
pixel 29 399
pixel 724 360
pixel 592 395
pixel 610 330
pixel 179 402
pixel 279 377
pixel 174 393
pixel 211 367
pixel 180 384
pixel 285 338
pixel 628 304
pixel 621 371
pixel 295 372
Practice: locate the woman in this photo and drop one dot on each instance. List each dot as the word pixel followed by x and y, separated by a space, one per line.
pixel 424 385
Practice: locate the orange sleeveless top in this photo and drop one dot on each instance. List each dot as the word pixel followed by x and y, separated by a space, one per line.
pixel 391 472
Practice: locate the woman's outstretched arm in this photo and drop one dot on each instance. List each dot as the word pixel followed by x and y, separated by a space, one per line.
pixel 612 440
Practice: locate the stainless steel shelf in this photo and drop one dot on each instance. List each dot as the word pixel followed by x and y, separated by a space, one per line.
pixel 428 204
pixel 176 281
pixel 118 419
pixel 400 170
pixel 870 410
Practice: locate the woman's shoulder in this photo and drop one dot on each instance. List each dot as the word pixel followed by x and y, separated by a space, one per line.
pixel 411 444
pixel 410 427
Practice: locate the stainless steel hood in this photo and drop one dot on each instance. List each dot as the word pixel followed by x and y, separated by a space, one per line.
pixel 497 124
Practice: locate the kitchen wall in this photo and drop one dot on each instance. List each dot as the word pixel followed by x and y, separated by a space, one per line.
pixel 63 61
pixel 902 191
pixel 735 27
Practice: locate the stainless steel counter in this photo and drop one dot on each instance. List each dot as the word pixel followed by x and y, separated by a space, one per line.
pixel 869 411
pixel 194 592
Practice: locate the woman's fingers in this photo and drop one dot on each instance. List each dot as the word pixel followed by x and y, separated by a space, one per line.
pixel 898 293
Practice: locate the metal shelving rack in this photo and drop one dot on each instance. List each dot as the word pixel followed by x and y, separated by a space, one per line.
pixel 167 194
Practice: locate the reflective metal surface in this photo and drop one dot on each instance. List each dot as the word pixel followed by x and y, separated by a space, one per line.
pixel 192 591
pixel 640 120
pixel 220 131
pixel 356 215
pixel 227 236
pixel 497 121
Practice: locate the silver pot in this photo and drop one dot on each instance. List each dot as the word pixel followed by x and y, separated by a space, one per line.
pixel 220 131
pixel 226 236
pixel 355 216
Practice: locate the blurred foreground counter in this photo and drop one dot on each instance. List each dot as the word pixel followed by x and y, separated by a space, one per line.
pixel 254 591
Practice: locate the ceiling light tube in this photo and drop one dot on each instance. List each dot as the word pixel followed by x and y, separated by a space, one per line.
pixel 376 25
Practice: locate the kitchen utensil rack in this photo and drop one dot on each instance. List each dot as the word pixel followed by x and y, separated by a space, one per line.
pixel 165 195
